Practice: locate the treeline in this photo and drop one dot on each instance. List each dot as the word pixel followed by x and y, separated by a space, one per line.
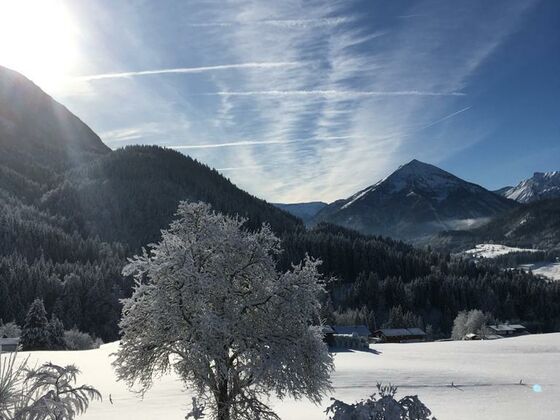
pixel 78 277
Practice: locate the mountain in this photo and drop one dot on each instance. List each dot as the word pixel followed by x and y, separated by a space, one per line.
pixel 542 185
pixel 305 211
pixel 132 193
pixel 533 225
pixel 39 138
pixel 414 202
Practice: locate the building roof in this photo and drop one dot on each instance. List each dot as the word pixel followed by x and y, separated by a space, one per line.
pixel 351 329
pixel 8 341
pixel 327 329
pixel 502 328
pixel 401 332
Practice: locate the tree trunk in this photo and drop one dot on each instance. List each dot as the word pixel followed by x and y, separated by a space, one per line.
pixel 222 402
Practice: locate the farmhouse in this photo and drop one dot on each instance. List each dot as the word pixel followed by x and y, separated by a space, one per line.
pixel 508 330
pixel 347 336
pixel 8 344
pixel 400 335
pixel 359 330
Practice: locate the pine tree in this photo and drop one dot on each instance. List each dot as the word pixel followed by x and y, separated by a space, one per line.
pixel 35 332
pixel 56 334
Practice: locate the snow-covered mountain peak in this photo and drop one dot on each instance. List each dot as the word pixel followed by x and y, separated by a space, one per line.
pixel 540 186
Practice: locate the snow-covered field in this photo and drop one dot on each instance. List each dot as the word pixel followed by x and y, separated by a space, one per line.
pixel 486 375
pixel 547 269
pixel 494 250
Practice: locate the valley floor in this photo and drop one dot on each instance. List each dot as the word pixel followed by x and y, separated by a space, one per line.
pixel 485 375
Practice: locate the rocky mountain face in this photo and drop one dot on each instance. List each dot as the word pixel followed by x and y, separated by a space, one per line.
pixel 541 186
pixel 415 202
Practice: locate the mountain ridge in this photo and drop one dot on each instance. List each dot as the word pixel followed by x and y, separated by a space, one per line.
pixel 542 185
pixel 414 202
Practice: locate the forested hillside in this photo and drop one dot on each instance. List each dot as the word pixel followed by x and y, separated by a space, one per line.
pixel 132 193
pixel 384 282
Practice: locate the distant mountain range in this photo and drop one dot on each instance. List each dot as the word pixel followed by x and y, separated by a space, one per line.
pixel 305 211
pixel 542 185
pixel 415 202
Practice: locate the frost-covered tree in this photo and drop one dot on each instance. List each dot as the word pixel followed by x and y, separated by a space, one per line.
pixel 210 303
pixel 469 322
pixel 35 331
pixel 10 329
pixel 56 334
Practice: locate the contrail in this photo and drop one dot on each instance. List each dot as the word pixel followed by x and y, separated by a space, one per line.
pixel 231 144
pixel 447 117
pixel 334 93
pixel 282 23
pixel 183 70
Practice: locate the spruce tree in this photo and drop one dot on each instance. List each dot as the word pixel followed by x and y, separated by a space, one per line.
pixel 56 334
pixel 35 332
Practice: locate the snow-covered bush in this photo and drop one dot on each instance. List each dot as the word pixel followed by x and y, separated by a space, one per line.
pixel 77 340
pixel 381 406
pixel 210 304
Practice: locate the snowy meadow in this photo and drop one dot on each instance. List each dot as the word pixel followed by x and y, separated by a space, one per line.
pixel 485 375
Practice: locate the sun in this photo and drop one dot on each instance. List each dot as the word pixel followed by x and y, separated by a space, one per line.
pixel 39 39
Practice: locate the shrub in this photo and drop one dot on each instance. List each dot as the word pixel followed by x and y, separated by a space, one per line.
pixel 382 407
pixel 77 340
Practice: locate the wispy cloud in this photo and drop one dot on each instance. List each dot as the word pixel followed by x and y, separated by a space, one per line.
pixel 229 144
pixel 315 100
pixel 186 70
pixel 280 23
pixel 341 94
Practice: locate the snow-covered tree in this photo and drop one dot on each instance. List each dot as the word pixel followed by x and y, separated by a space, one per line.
pixel 35 332
pixel 10 329
pixel 469 322
pixel 210 303
pixel 56 334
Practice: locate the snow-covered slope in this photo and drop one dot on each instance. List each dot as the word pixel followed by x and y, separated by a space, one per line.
pixel 540 186
pixel 486 376
pixel 414 202
pixel 549 270
pixel 494 250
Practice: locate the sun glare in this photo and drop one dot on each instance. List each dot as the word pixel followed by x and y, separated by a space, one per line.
pixel 38 38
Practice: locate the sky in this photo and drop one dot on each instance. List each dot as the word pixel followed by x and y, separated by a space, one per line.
pixel 306 100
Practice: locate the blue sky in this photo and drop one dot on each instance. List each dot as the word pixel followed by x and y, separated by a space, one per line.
pixel 314 100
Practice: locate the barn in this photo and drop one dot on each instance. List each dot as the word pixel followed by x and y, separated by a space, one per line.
pixel 400 335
